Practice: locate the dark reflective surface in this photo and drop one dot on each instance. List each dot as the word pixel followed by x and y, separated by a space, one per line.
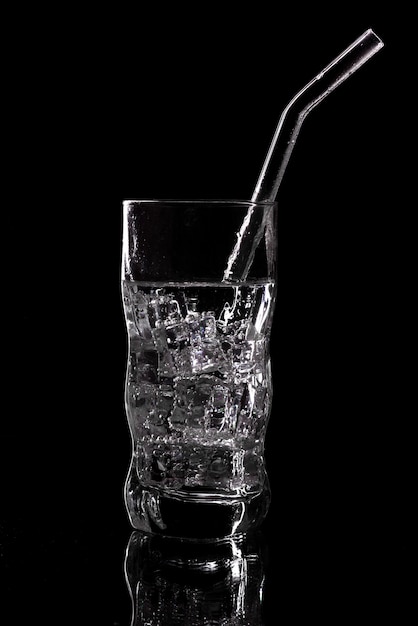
pixel 173 582
pixel 298 568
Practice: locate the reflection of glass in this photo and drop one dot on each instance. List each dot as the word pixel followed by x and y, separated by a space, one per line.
pixel 174 583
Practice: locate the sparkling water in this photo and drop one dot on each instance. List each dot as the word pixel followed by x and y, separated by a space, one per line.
pixel 198 386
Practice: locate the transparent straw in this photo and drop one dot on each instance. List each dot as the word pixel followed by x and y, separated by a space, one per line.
pixel 283 142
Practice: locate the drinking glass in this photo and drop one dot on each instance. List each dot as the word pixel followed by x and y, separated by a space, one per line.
pixel 198 381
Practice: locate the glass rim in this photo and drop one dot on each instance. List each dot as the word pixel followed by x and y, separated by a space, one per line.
pixel 226 201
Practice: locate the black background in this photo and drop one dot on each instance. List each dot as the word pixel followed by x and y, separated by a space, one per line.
pixel 167 104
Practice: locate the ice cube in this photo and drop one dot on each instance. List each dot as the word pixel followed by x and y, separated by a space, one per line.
pixel 177 335
pixel 196 418
pixel 169 466
pixel 166 366
pixel 140 315
pixel 255 403
pixel 184 392
pixel 219 395
pixel 239 311
pixel 203 389
pixel 159 308
pixel 174 314
pixel 178 473
pixel 183 362
pixel 158 425
pixel 232 410
pixel 219 466
pixel 177 309
pixel 237 403
pixel 238 466
pixel 191 303
pixel 243 303
pixel 195 470
pixel 178 419
pixel 183 396
pixel 164 401
pixel 142 400
pixel 207 326
pixel 206 355
pixel 166 308
pixel 160 462
pixel 199 400
pixel 193 321
pixel 260 396
pixel 146 366
pixel 243 357
pixel 253 468
pixel 217 407
pixel 260 355
pixel 225 316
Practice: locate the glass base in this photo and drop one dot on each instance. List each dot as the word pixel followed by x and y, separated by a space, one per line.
pixel 193 516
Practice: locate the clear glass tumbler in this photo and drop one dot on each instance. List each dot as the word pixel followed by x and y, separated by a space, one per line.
pixel 198 382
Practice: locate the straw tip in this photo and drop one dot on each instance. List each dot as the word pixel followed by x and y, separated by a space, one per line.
pixel 377 40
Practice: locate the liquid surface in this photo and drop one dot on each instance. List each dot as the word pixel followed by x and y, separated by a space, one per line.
pixel 198 388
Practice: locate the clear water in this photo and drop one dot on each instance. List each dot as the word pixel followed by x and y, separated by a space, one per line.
pixel 198 386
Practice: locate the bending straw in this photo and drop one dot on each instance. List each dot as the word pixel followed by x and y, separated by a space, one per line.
pixel 283 142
